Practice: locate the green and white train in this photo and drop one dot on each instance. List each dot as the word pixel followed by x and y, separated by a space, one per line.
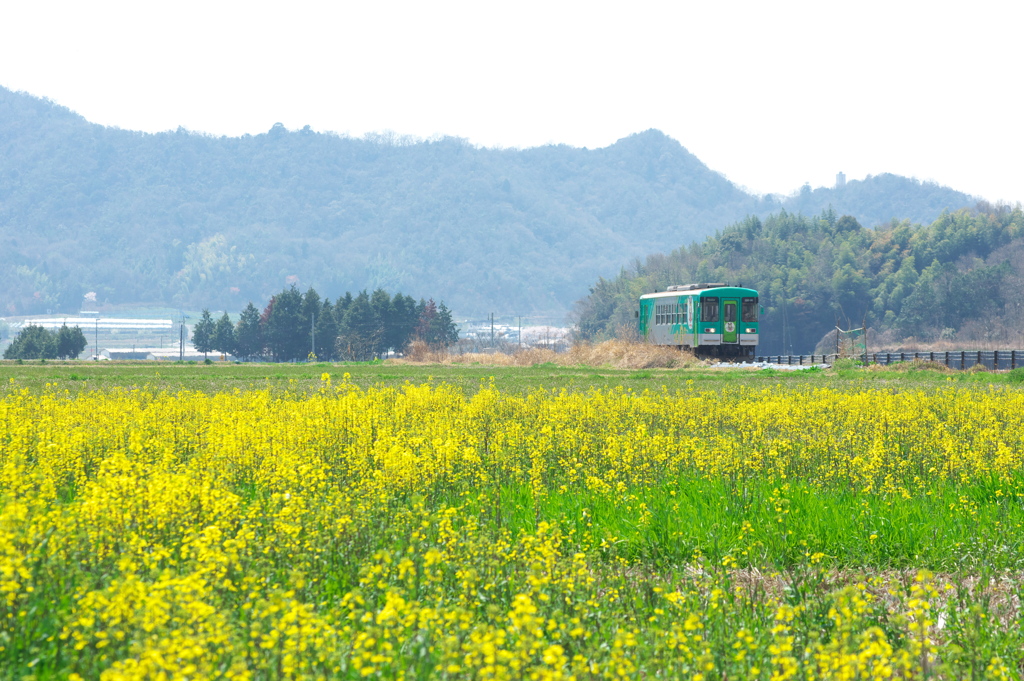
pixel 710 319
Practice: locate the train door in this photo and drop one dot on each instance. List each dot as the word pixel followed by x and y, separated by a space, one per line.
pixel 645 318
pixel 730 330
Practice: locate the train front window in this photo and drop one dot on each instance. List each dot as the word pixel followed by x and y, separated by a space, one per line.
pixel 750 309
pixel 730 311
pixel 709 310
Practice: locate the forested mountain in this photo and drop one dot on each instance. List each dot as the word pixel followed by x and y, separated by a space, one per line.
pixel 197 221
pixel 960 278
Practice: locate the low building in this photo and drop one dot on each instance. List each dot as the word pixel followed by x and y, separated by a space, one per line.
pixel 125 353
pixel 189 355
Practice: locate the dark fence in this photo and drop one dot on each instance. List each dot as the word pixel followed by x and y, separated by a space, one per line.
pixel 959 359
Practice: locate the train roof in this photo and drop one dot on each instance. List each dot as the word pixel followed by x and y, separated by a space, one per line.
pixel 699 290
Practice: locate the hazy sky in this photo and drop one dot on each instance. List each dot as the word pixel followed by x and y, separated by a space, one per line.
pixel 771 94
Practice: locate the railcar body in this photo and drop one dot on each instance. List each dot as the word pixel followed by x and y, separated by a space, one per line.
pixel 713 320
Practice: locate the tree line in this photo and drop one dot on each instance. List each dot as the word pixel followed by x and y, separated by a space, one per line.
pixel 296 326
pixel 961 278
pixel 37 342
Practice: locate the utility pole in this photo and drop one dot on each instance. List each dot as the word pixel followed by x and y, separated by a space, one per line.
pixel 181 340
pixel 837 336
pixel 864 323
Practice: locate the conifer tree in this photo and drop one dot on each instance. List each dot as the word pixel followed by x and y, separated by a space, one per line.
pixel 224 336
pixel 202 333
pixel 248 336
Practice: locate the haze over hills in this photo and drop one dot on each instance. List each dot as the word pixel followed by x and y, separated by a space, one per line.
pixel 180 218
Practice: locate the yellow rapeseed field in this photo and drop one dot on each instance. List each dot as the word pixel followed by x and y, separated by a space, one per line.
pixel 417 532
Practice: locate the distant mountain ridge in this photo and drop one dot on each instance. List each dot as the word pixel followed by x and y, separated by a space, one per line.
pixel 199 221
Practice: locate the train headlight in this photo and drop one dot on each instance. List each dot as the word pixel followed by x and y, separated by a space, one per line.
pixel 709 330
pixel 749 330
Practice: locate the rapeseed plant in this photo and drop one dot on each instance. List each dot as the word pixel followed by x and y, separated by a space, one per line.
pixel 417 532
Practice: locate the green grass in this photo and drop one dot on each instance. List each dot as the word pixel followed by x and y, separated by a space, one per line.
pixel 84 375
pixel 698 518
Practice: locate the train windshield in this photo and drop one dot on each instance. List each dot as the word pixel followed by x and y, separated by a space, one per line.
pixel 709 310
pixel 750 309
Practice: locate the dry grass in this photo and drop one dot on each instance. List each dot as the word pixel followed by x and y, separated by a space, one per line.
pixel 970 338
pixel 999 591
pixel 617 354
pixel 915 365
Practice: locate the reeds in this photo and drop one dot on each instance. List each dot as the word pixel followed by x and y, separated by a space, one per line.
pixel 617 354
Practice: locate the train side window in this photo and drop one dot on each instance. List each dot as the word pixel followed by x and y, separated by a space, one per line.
pixel 709 310
pixel 750 309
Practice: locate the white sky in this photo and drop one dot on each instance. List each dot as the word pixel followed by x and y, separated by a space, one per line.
pixel 771 94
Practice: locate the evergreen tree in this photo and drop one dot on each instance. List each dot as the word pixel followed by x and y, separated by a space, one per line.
pixel 311 306
pixel 403 322
pixel 357 335
pixel 445 332
pixel 283 328
pixel 70 342
pixel 326 332
pixel 340 306
pixel 224 336
pixel 436 327
pixel 380 303
pixel 202 333
pixel 32 342
pixel 248 334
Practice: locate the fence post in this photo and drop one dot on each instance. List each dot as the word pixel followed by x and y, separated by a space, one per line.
pixel 979 358
pixel 963 360
pixel 1013 360
pixel 931 356
pixel 995 360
